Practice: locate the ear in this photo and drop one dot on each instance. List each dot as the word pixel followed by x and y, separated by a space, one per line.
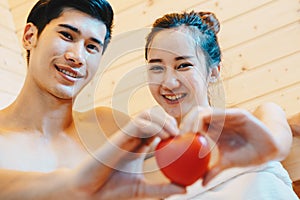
pixel 30 36
pixel 214 74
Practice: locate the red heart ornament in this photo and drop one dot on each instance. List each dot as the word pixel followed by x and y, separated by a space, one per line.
pixel 183 159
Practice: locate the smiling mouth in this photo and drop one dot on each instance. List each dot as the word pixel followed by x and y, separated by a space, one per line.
pixel 68 73
pixel 174 97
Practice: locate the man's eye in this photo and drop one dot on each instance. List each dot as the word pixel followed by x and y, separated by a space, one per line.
pixel 184 66
pixel 92 47
pixel 66 35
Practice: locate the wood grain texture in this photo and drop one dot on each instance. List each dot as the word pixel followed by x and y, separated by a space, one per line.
pixel 259 39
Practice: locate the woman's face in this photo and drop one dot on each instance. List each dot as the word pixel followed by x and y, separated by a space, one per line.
pixel 177 72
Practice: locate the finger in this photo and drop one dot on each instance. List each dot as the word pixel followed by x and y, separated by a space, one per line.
pixel 212 173
pixel 213 123
pixel 162 119
pixel 162 190
pixel 150 130
pixel 190 122
pixel 143 148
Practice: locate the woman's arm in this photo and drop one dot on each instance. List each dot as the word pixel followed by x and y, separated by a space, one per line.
pixel 294 123
pixel 275 119
pixel 243 138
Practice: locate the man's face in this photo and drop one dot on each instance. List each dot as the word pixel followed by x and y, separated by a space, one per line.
pixel 66 55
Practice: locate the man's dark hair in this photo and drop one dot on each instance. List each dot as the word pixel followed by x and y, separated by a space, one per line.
pixel 46 10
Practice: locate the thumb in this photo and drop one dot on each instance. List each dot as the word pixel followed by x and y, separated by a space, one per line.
pixel 163 190
pixel 212 173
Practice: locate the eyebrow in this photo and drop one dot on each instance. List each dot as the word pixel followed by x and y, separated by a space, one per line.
pixel 157 60
pixel 76 30
pixel 182 57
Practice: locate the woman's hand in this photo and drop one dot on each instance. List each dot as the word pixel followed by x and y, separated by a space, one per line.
pixel 241 138
pixel 115 171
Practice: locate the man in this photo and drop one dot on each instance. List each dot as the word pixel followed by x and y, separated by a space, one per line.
pixel 47 150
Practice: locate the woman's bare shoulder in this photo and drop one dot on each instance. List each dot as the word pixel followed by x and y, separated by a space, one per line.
pixel 294 122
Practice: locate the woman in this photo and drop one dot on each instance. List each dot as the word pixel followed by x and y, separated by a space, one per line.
pixel 183 57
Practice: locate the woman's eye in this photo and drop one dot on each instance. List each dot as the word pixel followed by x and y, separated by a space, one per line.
pixel 156 68
pixel 66 35
pixel 184 66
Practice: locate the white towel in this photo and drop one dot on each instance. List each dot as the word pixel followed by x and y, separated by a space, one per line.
pixel 267 182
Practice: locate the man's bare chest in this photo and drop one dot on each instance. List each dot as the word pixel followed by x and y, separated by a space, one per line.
pixel 35 153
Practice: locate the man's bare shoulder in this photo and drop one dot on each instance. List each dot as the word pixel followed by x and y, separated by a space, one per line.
pixel 101 113
pixel 6 124
pixel 99 121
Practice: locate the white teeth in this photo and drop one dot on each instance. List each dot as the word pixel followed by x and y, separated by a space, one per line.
pixel 68 73
pixel 174 97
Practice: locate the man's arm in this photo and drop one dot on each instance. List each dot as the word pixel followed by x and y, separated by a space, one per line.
pixel 16 185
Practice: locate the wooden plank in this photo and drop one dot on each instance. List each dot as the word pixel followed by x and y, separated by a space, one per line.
pixel 262 50
pixel 124 48
pixel 9 40
pixel 6 19
pixel 109 80
pixel 15 3
pixel 20 14
pixel 244 57
pixel 129 42
pixel 140 100
pixel 269 79
pixel 131 101
pixel 228 9
pixel 258 22
pixel 4 4
pixel 11 82
pixel 119 6
pixel 129 76
pixel 12 61
pixel 288 98
pixel 144 15
pixel 265 79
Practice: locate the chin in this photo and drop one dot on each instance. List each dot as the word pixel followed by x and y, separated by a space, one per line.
pixel 174 112
pixel 64 94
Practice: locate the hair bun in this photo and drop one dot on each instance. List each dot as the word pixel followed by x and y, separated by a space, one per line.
pixel 211 20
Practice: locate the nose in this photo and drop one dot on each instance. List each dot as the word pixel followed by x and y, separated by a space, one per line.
pixel 170 80
pixel 75 54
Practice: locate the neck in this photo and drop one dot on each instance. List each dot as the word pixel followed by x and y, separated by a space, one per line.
pixel 36 111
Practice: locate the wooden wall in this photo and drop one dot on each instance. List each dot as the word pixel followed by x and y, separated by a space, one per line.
pixel 259 38
pixel 12 67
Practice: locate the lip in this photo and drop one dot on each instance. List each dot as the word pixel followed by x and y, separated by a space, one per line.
pixel 174 98
pixel 68 73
